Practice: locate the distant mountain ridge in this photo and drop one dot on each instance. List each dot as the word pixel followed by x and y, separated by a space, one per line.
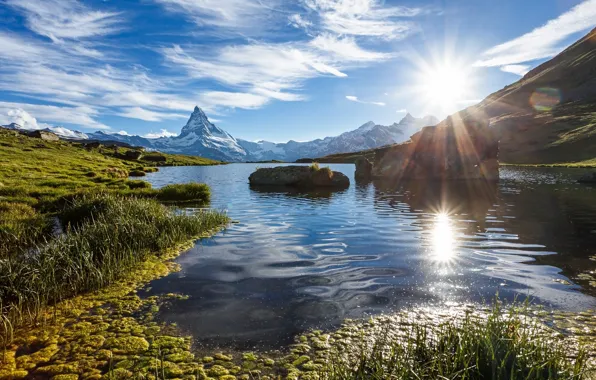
pixel 200 137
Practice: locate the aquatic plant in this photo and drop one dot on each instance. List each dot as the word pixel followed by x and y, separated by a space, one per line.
pixel 106 235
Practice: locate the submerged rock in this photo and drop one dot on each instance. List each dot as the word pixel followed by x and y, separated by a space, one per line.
pixel 299 176
pixel 461 147
pixel 588 178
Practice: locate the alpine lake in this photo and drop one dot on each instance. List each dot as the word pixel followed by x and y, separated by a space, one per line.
pixel 294 267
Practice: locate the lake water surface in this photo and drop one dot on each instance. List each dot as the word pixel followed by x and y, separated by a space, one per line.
pixel 296 260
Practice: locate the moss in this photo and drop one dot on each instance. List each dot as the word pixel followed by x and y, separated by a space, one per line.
pixel 207 359
pixel 58 369
pixel 65 377
pixel 127 344
pixel 227 377
pixel 222 357
pixel 217 371
pixel 137 173
pixel 249 356
pixel 183 356
pixel 301 360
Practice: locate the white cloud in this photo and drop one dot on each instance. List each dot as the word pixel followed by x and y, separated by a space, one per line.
pixel 266 70
pixel 520 70
pixel 355 99
pixel 83 116
pixel 58 19
pixel 161 133
pixel 364 18
pixel 20 117
pixel 148 115
pixel 346 49
pixel 403 110
pixel 122 133
pixel 233 99
pixel 241 15
pixel 542 42
pixel 298 21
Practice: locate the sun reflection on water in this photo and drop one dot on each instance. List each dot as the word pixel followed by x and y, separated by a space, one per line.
pixel 443 239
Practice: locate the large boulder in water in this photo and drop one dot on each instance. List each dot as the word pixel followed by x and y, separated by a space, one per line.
pixel 364 169
pixel 308 177
pixel 462 147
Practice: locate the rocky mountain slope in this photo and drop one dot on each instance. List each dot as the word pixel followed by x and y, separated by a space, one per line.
pixel 200 137
pixel 549 115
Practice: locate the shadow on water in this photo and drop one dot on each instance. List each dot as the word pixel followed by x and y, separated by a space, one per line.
pixel 288 191
pixel 299 260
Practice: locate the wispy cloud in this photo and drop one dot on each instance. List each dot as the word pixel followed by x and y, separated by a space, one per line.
pixel 403 110
pixel 520 70
pixel 298 21
pixel 161 133
pixel 148 115
pixel 364 18
pixel 355 99
pixel 57 19
pixel 542 42
pixel 346 49
pixel 241 15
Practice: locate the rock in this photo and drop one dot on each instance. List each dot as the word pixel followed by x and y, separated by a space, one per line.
pixel 363 169
pixel 95 144
pixel 44 135
pixel 155 158
pixel 133 154
pixel 299 176
pixel 589 178
pixel 461 147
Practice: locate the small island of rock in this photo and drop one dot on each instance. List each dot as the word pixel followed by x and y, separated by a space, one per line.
pixel 306 177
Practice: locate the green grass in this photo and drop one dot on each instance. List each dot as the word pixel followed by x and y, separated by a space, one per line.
pixel 106 236
pixel 501 345
pixel 185 192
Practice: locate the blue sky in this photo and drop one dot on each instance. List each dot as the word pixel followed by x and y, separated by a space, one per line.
pixel 267 69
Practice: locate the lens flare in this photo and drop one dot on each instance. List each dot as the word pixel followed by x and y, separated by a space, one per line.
pixel 545 99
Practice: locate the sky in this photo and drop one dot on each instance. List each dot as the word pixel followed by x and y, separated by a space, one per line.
pixel 267 69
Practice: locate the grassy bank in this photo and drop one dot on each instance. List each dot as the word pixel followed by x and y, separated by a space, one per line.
pixel 71 221
pixel 106 236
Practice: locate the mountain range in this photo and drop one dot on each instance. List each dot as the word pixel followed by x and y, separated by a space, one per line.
pixel 200 137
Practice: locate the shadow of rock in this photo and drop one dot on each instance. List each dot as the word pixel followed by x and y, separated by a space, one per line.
pixel 292 192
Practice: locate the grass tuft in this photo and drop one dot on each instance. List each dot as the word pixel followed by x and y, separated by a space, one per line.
pixel 185 192
pixel 505 344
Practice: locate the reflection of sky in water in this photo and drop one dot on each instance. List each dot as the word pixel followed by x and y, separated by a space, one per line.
pixel 296 261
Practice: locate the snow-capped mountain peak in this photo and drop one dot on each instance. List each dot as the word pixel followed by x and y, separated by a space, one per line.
pixel 408 119
pixel 366 126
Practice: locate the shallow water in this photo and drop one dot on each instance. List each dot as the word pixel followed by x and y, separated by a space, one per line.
pixel 296 261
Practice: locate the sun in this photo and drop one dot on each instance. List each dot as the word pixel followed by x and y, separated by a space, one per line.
pixel 444 86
